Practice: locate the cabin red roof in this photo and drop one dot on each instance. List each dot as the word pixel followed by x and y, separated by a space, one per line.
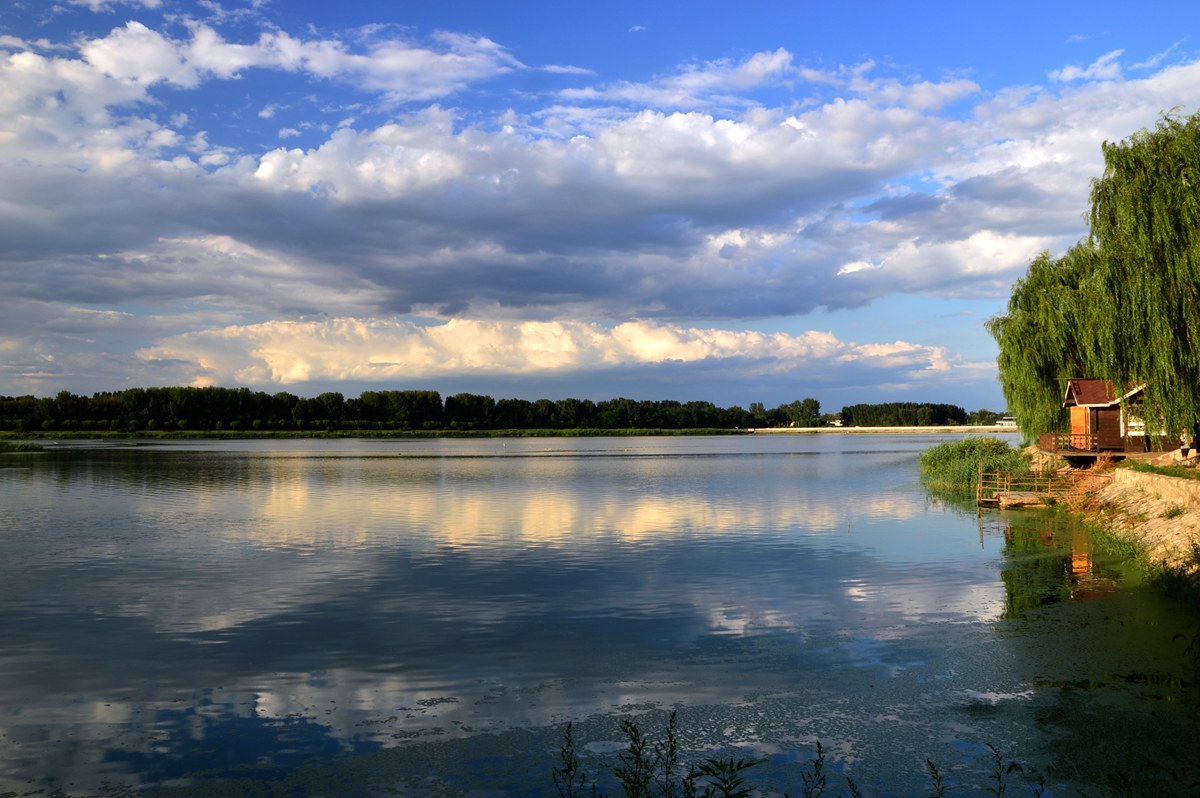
pixel 1095 393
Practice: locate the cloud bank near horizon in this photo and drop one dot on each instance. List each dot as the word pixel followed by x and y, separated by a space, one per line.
pixel 366 350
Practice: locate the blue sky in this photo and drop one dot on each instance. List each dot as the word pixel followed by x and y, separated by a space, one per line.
pixel 750 202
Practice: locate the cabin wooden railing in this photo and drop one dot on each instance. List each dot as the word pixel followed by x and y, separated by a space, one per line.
pixel 1090 443
pixel 1068 442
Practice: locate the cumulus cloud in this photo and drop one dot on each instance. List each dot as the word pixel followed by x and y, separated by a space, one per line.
pixel 401 70
pixel 285 352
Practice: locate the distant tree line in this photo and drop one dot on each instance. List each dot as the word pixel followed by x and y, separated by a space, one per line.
pixel 241 409
pixel 904 414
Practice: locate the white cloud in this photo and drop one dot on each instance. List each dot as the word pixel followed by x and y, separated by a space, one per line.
pixel 856 266
pixel 140 55
pixel 1106 67
pixel 1157 60
pixel 401 70
pixel 286 352
pixel 698 86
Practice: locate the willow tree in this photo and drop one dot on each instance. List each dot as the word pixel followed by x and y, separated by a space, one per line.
pixel 1047 335
pixel 1145 217
pixel 1124 303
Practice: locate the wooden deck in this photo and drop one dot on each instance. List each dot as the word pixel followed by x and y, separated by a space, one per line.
pixel 1088 446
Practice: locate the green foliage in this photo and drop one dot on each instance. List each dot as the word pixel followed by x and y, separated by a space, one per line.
pixel 1123 304
pixel 804 412
pixel 902 414
pixel 984 417
pixel 1146 217
pixel 1180 471
pixel 1044 339
pixel 242 410
pixel 151 411
pixel 9 446
pixel 955 465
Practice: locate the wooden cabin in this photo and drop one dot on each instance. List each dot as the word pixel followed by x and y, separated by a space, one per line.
pixel 1102 420
pixel 1096 418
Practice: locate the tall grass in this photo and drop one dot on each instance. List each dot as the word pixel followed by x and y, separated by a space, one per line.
pixel 954 465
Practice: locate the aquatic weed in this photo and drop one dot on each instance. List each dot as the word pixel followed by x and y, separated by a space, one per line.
pixel 570 779
pixel 669 767
pixel 935 776
pixel 725 777
pixel 649 769
pixel 1000 772
pixel 638 762
pixel 813 775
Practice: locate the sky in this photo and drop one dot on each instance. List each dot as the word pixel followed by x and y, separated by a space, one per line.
pixel 729 202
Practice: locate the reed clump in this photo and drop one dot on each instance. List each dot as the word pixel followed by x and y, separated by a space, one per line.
pixel 955 465
pixel 19 446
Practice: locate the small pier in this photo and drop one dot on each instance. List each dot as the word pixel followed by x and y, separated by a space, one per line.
pixel 1029 489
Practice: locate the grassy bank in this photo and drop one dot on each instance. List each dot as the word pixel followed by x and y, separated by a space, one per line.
pixel 1180 471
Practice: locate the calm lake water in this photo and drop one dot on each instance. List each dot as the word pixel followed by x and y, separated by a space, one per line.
pixel 423 617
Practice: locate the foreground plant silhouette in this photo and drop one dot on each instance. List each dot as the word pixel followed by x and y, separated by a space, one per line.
pixel 647 769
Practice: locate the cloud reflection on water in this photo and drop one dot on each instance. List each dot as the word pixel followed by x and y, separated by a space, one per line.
pixel 392 599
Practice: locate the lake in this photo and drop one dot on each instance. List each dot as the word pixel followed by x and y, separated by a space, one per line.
pixel 424 617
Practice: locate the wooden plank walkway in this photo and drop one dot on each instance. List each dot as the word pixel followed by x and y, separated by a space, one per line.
pixel 1021 498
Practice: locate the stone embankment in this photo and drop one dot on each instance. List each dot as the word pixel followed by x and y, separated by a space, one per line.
pixel 1161 514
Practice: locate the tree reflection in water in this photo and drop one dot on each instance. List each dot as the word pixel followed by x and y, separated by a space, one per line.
pixel 1048 561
